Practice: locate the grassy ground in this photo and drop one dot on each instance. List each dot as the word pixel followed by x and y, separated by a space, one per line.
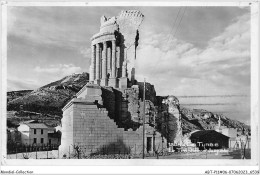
pixel 236 154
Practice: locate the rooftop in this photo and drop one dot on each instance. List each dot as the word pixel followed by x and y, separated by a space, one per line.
pixel 37 125
pixel 207 133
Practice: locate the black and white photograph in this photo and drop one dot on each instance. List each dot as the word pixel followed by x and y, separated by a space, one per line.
pixel 101 81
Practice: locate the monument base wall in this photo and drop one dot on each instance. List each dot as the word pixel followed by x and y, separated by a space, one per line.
pixel 88 128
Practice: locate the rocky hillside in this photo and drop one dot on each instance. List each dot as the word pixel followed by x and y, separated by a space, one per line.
pixel 205 120
pixel 47 101
pixel 45 104
pixel 15 94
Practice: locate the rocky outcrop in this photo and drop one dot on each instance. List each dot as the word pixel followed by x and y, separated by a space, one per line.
pixel 174 122
pixel 74 81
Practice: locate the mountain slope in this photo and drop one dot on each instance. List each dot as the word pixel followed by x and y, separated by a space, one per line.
pixel 45 104
pixel 205 120
pixel 49 99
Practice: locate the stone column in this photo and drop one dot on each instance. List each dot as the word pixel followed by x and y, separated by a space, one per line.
pixel 104 65
pixel 123 79
pixel 113 80
pixel 118 57
pixel 124 69
pixel 113 74
pixel 118 62
pixel 92 70
pixel 109 61
pixel 97 80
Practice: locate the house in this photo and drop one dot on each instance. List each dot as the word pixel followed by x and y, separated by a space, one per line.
pixel 232 134
pixel 209 139
pixel 33 133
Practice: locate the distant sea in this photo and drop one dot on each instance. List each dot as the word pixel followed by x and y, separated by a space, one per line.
pixel 232 106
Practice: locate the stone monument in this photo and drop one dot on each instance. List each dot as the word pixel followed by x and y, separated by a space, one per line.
pixel 105 120
pixel 114 50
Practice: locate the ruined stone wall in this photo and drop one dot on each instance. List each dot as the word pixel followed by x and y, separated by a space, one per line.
pixel 109 101
pixel 150 93
pixel 150 111
pixel 129 22
pixel 132 97
pixel 93 132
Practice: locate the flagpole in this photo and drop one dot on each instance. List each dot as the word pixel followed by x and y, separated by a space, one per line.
pixel 144 120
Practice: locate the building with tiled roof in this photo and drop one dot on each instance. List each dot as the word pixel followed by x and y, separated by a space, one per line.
pixel 33 133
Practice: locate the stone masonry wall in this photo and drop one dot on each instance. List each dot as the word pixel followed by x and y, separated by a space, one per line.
pixel 94 132
pixel 91 122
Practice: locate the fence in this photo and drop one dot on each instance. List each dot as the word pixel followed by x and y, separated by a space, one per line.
pixel 111 152
pixel 20 148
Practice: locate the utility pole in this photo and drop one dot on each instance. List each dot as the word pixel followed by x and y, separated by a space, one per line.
pixel 155 114
pixel 69 152
pixel 144 119
pixel 36 151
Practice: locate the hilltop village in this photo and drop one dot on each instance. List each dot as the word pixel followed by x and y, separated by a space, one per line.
pixel 110 112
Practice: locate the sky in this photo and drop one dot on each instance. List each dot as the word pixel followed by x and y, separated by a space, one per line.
pixel 205 52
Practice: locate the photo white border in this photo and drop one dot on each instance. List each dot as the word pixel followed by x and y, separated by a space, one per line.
pixel 254 161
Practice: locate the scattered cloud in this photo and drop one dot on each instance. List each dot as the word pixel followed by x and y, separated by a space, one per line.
pixel 223 67
pixel 61 69
pixel 85 51
pixel 14 84
pixel 52 26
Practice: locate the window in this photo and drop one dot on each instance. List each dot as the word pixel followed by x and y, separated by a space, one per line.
pixel 42 140
pixel 34 131
pixel 49 141
pixel 41 131
pixel 34 140
pixel 149 144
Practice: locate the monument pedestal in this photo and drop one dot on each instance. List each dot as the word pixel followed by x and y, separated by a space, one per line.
pixel 123 82
pixel 103 82
pixel 97 82
pixel 112 82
